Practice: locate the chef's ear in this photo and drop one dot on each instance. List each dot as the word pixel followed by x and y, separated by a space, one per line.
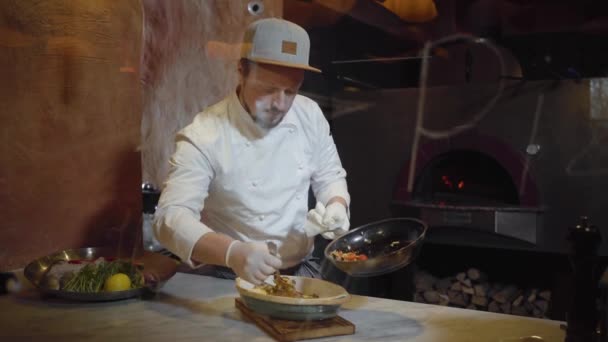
pixel 244 68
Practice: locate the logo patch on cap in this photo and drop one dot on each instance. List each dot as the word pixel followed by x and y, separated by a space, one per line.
pixel 289 47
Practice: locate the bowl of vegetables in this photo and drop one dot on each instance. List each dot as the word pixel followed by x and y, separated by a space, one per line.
pixel 97 274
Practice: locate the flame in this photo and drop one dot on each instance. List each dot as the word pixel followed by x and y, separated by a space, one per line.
pixel 446 180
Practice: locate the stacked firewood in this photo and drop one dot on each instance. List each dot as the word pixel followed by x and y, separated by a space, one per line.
pixel 472 290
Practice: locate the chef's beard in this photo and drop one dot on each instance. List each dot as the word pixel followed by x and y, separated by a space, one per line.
pixel 265 116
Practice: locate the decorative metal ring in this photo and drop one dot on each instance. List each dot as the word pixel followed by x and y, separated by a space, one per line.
pixel 255 7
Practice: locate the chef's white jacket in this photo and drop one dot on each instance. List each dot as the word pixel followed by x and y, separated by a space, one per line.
pixel 250 185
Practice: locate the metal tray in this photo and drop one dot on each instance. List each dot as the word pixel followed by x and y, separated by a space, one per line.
pixel 157 269
pixel 377 241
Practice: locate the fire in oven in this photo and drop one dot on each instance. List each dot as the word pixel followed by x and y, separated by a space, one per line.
pixel 465 178
pixel 473 191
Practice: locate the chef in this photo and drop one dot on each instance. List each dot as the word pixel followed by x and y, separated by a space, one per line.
pixel 247 164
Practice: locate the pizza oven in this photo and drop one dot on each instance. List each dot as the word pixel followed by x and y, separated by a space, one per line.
pixel 472 190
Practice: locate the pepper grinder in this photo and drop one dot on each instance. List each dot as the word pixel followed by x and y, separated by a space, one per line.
pixel 582 316
pixel 603 323
pixel 150 200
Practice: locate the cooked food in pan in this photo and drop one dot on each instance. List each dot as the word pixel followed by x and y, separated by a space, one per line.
pixel 348 256
pixel 284 287
pixel 94 275
pixel 354 256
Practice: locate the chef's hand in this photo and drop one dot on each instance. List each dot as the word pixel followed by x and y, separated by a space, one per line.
pixel 330 222
pixel 336 219
pixel 251 261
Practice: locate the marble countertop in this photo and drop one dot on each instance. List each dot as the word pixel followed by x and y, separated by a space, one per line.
pixel 199 308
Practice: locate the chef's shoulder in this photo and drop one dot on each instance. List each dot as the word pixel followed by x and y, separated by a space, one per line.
pixel 308 111
pixel 207 126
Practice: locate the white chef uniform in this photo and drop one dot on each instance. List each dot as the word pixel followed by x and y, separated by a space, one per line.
pixel 248 184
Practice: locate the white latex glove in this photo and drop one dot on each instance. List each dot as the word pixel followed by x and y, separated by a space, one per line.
pixel 314 221
pixel 336 219
pixel 251 261
pixel 330 222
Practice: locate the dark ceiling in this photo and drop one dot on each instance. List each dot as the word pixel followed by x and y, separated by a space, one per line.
pixel 550 39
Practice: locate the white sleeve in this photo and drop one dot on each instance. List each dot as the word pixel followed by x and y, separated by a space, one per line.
pixel 177 223
pixel 328 177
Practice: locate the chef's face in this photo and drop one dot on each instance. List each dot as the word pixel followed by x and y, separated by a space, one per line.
pixel 267 91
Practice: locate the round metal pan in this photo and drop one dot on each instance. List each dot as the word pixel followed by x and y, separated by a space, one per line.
pixel 157 269
pixel 389 245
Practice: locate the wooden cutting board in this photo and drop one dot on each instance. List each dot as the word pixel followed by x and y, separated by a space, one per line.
pixel 284 330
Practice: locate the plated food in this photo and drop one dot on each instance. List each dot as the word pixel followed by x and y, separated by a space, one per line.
pixel 325 304
pixel 97 274
pixel 91 276
pixel 284 287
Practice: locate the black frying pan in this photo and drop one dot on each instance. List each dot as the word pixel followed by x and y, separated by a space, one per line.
pixel 388 244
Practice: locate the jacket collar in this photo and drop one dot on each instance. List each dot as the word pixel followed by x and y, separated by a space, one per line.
pixel 244 122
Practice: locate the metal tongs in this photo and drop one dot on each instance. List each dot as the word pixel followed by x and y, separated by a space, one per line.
pixel 273 249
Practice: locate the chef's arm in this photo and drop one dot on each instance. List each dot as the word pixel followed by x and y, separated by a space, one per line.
pixel 211 248
pixel 177 223
pixel 337 199
pixel 329 177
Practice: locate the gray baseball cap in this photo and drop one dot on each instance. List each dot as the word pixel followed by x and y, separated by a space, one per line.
pixel 279 42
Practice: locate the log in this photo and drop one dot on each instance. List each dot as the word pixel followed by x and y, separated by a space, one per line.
pixel 530 306
pixel 458 298
pixel 494 307
pixel 481 289
pixel 519 311
pixel 518 301
pixel 461 276
pixel 468 290
pixel 496 287
pixel 546 295
pixel 444 300
pixel 457 286
pixel 531 297
pixel 443 284
pixel 476 275
pixel 424 281
pixel 451 294
pixel 542 305
pixel 480 301
pixel 506 295
pixel 431 297
pixel 471 290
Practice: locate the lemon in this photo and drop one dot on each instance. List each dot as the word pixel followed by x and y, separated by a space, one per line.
pixel 117 282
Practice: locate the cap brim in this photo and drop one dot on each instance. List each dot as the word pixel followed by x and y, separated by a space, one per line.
pixel 285 64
